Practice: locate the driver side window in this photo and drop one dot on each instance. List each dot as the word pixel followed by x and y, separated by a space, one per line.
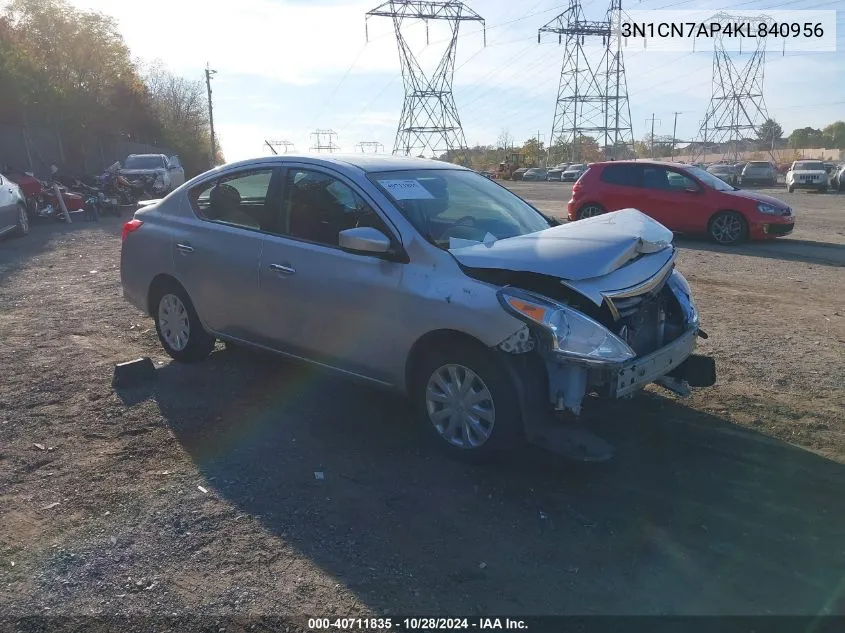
pixel 317 207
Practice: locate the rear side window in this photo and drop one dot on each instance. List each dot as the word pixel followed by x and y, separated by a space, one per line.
pixel 241 199
pixel 623 175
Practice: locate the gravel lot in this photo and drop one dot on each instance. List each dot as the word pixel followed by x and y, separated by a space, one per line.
pixel 198 494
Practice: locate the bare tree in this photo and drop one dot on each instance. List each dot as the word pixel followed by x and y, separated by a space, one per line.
pixel 505 140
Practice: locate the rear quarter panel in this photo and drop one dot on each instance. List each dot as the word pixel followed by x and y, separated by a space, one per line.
pixel 147 252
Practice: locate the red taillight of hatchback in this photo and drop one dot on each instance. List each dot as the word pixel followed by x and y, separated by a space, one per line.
pixel 130 227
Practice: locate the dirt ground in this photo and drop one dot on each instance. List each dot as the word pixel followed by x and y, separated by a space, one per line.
pixel 198 494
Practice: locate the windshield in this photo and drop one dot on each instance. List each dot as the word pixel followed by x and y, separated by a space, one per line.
pixel 447 204
pixel 720 169
pixel 808 165
pixel 143 162
pixel 709 179
pixel 759 164
pixel 578 166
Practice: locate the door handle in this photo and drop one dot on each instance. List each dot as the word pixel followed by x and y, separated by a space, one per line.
pixel 279 268
pixel 184 248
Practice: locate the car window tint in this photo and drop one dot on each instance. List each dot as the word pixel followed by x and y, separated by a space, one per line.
pixel 679 181
pixel 240 199
pixel 624 175
pixel 317 207
pixel 655 178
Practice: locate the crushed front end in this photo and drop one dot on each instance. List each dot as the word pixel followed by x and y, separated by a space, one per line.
pixel 635 336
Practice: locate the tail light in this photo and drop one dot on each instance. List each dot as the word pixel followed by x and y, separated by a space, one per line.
pixel 130 227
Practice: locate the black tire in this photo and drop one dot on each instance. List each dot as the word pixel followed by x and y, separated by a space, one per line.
pixel 720 225
pixel 23 222
pixel 590 210
pixel 790 189
pixel 506 432
pixel 199 342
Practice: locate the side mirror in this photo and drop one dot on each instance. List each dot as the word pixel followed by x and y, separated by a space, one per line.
pixel 692 190
pixel 364 239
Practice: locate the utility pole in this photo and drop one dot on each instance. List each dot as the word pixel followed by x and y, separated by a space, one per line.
pixel 674 131
pixel 208 75
pixel 652 133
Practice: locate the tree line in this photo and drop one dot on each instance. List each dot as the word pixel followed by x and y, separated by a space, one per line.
pixel 70 70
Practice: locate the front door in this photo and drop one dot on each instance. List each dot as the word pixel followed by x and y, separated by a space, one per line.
pixel 217 248
pixel 319 301
pixel 661 198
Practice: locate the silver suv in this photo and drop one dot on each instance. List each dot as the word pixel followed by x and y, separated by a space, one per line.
pixel 423 277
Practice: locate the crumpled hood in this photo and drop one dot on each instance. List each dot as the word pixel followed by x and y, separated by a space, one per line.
pixel 576 251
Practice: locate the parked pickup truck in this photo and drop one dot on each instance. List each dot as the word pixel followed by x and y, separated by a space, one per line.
pixel 168 171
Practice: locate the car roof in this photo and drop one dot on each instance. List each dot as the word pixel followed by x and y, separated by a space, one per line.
pixel 364 162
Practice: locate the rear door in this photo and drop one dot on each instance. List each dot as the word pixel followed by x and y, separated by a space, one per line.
pixel 217 247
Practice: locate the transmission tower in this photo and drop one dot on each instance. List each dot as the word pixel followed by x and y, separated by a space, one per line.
pixel 429 123
pixel 370 147
pixel 274 144
pixel 737 108
pixel 324 141
pixel 592 97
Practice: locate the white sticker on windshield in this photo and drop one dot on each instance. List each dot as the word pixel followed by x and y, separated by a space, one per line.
pixel 406 190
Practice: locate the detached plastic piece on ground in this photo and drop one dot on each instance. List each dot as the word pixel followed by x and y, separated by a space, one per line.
pixel 133 373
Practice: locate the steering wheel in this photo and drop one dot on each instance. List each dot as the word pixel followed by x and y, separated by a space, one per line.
pixel 467 223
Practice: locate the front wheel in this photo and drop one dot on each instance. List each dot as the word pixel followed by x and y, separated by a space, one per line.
pixel 178 327
pixel 590 210
pixel 468 401
pixel 23 222
pixel 728 228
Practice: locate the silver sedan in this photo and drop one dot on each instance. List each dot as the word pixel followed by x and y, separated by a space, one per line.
pixel 419 276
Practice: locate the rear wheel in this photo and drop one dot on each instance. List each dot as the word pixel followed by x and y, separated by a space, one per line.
pixel 590 210
pixel 728 228
pixel 468 401
pixel 790 188
pixel 179 329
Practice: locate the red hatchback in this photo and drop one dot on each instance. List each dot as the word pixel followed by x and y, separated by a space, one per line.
pixel 683 198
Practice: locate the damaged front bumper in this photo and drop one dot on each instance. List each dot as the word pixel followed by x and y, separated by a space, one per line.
pixel 637 373
pixel 674 366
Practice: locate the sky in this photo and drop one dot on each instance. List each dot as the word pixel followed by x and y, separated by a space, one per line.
pixel 286 68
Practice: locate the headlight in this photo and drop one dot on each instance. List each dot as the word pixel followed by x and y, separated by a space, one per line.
pixel 768 209
pixel 571 333
pixel 683 293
